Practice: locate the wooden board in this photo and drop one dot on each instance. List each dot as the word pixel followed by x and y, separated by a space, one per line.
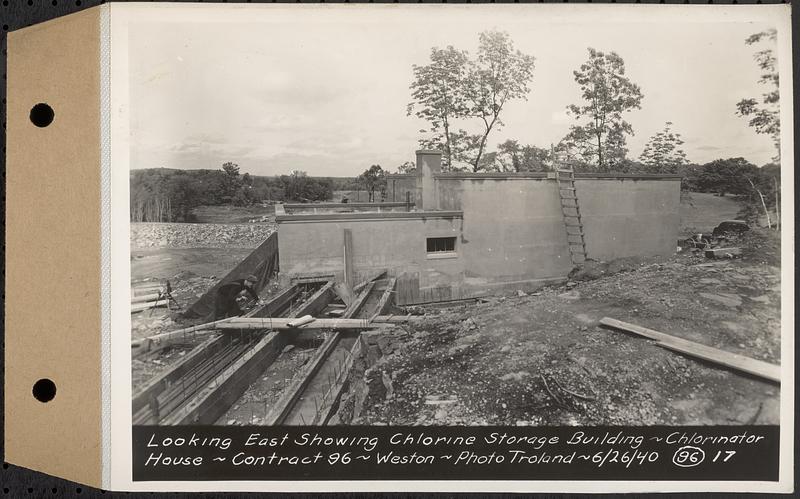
pixel 362 298
pixel 738 362
pixel 140 307
pixel 158 384
pixel 387 295
pixel 282 323
pixel 407 288
pixel 284 405
pixel 315 303
pixel 277 305
pixel 348 257
pixel 218 395
pixel 373 276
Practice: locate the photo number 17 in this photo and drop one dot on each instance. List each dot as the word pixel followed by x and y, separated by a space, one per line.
pixel 689 456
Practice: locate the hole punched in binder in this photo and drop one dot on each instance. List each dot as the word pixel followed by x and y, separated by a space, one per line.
pixel 44 390
pixel 42 115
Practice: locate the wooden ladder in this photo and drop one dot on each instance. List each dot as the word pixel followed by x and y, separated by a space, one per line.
pixel 565 180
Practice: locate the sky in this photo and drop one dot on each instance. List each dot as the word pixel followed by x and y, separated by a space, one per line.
pixel 324 92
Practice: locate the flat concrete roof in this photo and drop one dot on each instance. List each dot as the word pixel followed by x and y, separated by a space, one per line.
pixel 388 215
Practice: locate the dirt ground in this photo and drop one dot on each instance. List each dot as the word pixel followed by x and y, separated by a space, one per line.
pixel 542 359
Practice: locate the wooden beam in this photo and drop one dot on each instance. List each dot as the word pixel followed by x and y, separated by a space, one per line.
pixel 151 297
pixel 734 361
pixel 282 323
pixel 397 319
pixel 362 298
pixel 387 294
pixel 371 277
pixel 214 399
pixel 139 307
pixel 316 303
pixel 161 382
pixel 348 257
pixel 180 336
pixel 292 393
pixel 325 412
pixel 277 305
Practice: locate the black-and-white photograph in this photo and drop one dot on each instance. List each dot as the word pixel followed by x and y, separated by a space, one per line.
pixel 456 217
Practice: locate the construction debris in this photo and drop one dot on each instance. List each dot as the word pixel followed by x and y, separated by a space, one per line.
pixel 723 252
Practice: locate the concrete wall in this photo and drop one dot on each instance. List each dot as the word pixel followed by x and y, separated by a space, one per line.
pixel 398 185
pixel 316 248
pixel 513 229
pixel 629 216
pixel 509 229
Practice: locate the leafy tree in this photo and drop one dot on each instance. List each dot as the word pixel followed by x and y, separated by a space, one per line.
pixel 663 153
pixel 514 157
pixel 407 167
pixel 607 94
pixel 438 95
pixel 765 117
pixel 726 176
pixel 373 178
pixel 500 74
pixel 454 87
pixel 232 179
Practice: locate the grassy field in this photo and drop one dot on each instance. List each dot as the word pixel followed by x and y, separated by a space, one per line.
pixel 231 214
pixel 701 212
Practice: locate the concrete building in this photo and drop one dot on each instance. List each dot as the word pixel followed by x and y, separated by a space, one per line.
pixel 470 234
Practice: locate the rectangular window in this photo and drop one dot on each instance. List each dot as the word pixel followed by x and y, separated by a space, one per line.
pixel 441 244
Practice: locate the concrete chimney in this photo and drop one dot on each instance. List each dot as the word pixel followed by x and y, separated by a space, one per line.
pixel 429 162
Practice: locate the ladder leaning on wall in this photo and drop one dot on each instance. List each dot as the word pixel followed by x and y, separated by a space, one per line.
pixel 565 180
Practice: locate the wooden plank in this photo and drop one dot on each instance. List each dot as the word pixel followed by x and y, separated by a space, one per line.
pixel 282 323
pixel 214 399
pixel 326 411
pixel 139 307
pixel 277 305
pixel 161 382
pixel 172 337
pixel 348 257
pixel 315 303
pixel 397 319
pixel 731 360
pixel 362 298
pixel 284 405
pixel 633 328
pixel 374 276
pixel 738 362
pixel 150 297
pixel 387 295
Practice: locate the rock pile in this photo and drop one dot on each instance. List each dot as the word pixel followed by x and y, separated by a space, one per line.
pixel 181 235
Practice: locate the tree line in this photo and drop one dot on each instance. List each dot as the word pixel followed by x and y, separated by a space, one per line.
pixel 169 195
